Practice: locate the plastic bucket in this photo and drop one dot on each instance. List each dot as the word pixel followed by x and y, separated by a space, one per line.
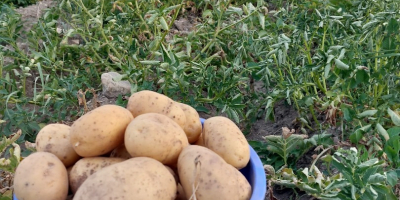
pixel 254 173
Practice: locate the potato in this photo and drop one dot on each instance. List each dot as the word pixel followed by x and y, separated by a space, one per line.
pixel 156 136
pixel 215 179
pixel 222 136
pixel 193 125
pixel 174 174
pixel 41 175
pixel 100 130
pixel 135 178
pixel 152 102
pixel 180 194
pixel 85 167
pixel 54 138
pixel 120 152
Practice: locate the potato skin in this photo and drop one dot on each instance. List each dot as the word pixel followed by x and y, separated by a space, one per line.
pixel 135 178
pixel 41 175
pixel 100 131
pixel 193 125
pixel 55 139
pixel 216 179
pixel 85 167
pixel 156 136
pixel 180 194
pixel 222 136
pixel 120 152
pixel 147 101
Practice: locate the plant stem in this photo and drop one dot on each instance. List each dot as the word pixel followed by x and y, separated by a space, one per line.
pixel 166 32
pixel 80 3
pixel 218 30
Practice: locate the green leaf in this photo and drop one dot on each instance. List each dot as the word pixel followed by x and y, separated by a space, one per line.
pixel 368 163
pixel 343 169
pixel 327 70
pixel 356 136
pixel 391 153
pixel 367 113
pixel 353 192
pixel 362 77
pixel 394 116
pixel 337 184
pixel 368 173
pixel 382 131
pixel 393 26
pixel 261 19
pixel 341 65
pixel 163 23
pixel 392 177
pixel 150 62
pixel 376 178
pixel 385 192
pixel 347 112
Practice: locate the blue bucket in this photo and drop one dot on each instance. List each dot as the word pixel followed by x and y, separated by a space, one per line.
pixel 254 173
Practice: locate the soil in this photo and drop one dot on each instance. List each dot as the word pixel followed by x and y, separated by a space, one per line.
pixel 285 114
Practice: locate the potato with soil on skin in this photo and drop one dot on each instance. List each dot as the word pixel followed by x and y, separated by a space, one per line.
pixel 55 139
pixel 120 152
pixel 100 131
pixel 85 167
pixel 135 178
pixel 193 125
pixel 156 136
pixel 221 135
pixel 41 175
pixel 200 167
pixel 152 102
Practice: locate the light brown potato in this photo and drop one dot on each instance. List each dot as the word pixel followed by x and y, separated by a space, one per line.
pixel 174 174
pixel 214 178
pixel 41 175
pixel 55 139
pixel 135 178
pixel 221 135
pixel 100 131
pixel 193 125
pixel 85 167
pixel 180 194
pixel 120 152
pixel 156 136
pixel 152 102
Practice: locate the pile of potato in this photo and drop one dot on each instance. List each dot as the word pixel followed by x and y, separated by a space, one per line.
pixel 154 149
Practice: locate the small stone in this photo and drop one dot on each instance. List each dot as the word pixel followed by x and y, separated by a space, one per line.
pixel 183 24
pixel 113 86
